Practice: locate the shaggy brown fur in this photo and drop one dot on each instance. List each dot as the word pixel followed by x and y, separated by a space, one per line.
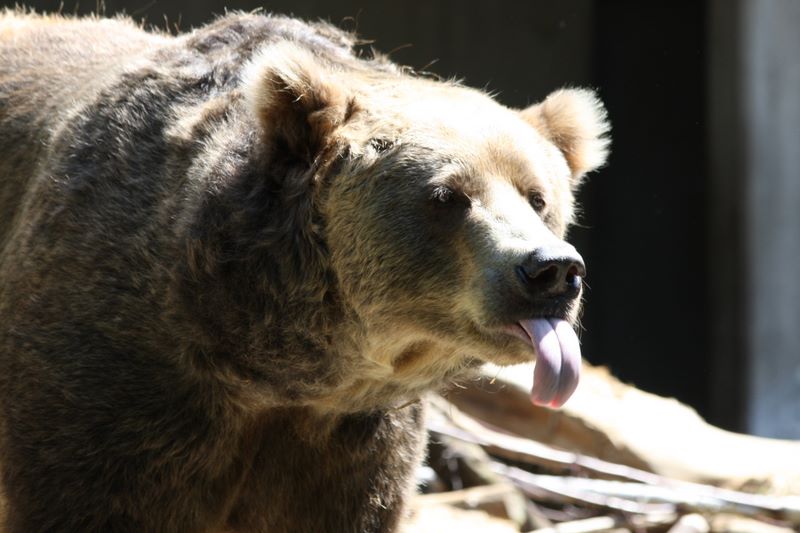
pixel 231 261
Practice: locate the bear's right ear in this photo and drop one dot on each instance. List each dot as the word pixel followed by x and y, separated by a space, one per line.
pixel 296 99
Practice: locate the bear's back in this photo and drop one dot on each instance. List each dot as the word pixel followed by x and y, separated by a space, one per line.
pixel 50 67
pixel 99 84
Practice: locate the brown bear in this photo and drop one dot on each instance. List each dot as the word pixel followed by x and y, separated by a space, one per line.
pixel 232 261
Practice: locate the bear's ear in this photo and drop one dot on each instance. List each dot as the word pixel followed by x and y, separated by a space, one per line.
pixel 296 99
pixel 575 121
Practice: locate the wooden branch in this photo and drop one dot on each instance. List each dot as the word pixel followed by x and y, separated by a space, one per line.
pixel 559 489
pixel 614 495
pixel 588 525
pixel 633 494
pixel 621 424
pixel 469 429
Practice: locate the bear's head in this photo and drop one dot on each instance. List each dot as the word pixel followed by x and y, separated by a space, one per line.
pixel 439 213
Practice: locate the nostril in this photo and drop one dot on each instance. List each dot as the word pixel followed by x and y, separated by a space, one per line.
pixel 578 269
pixel 573 277
pixel 546 276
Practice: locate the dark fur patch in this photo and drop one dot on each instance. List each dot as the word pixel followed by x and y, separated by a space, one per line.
pixel 163 291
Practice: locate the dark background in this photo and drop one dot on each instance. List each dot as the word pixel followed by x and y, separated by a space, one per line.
pixel 644 231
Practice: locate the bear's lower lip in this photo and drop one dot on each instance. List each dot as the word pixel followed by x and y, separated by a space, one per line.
pixel 558 358
pixel 518 331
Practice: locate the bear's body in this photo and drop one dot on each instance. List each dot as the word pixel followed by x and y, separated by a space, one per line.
pixel 232 261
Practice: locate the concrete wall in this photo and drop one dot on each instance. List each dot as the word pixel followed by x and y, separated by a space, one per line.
pixel 771 83
pixel 754 211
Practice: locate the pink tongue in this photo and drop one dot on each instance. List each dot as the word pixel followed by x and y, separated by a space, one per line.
pixel 558 360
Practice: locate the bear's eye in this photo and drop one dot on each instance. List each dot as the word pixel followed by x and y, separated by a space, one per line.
pixel 442 195
pixel 447 196
pixel 537 201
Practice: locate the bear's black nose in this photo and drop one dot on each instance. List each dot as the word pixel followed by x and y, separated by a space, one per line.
pixel 552 271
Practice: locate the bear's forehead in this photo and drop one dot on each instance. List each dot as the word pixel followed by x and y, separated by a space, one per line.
pixel 461 136
pixel 467 126
pixel 491 144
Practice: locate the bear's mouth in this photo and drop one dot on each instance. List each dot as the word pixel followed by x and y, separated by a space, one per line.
pixel 558 358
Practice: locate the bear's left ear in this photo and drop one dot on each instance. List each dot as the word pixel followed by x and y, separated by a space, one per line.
pixel 296 99
pixel 575 121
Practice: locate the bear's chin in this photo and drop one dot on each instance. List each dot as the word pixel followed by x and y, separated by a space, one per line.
pixel 554 345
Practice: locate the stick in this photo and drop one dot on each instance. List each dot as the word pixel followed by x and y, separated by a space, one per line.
pixel 692 495
pixel 588 525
